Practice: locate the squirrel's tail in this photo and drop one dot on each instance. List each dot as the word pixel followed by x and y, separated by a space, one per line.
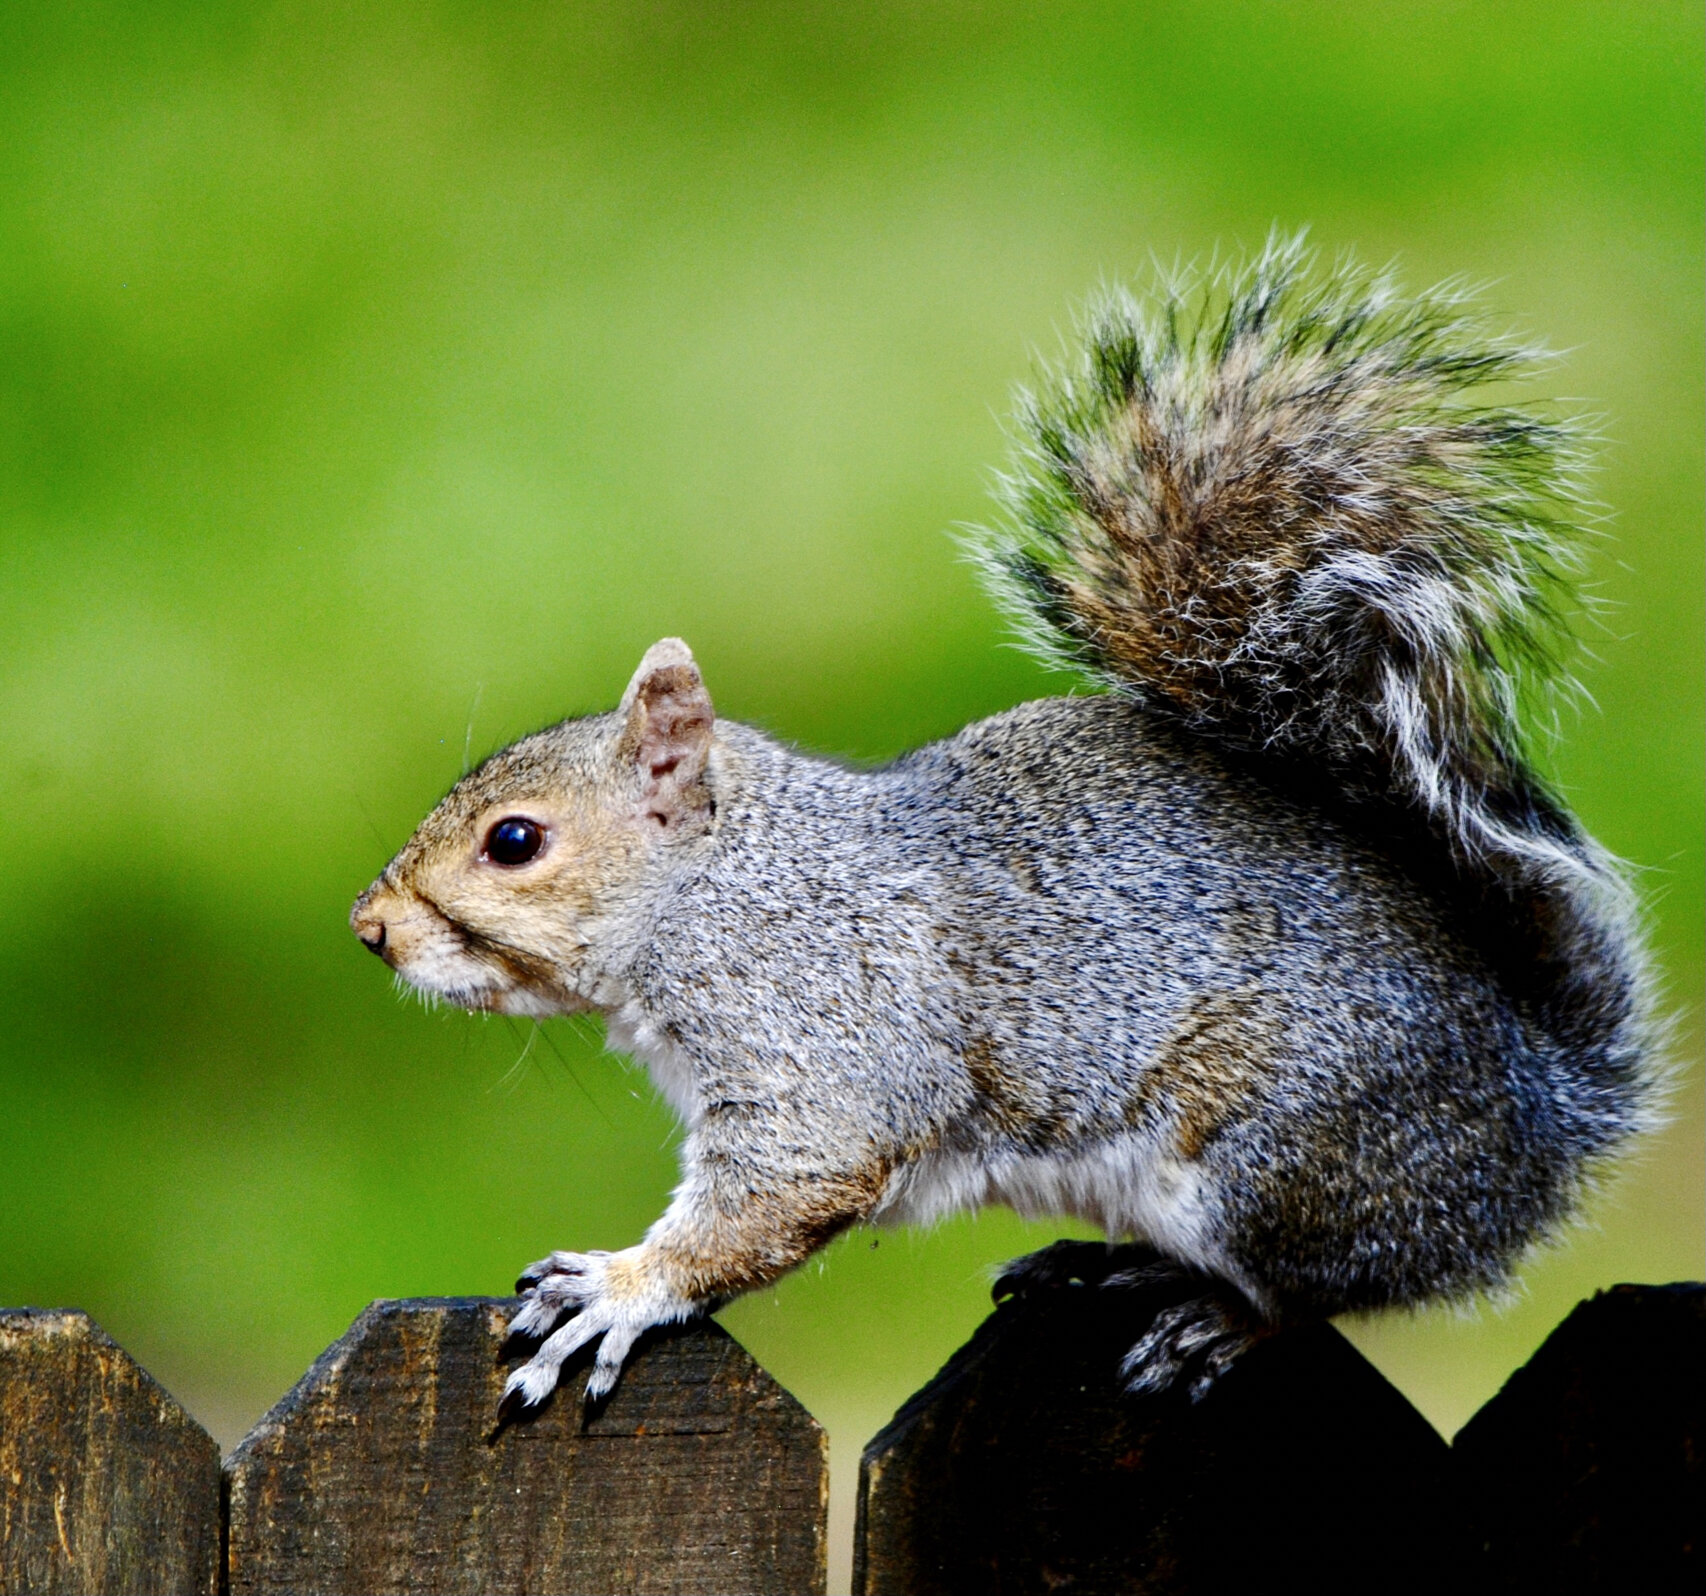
pixel 1272 506
pixel 1268 506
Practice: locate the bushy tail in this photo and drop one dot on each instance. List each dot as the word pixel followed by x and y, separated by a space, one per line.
pixel 1270 505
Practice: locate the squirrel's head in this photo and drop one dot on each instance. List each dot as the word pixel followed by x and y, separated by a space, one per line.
pixel 512 892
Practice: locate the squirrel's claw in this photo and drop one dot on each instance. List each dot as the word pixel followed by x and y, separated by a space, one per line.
pixel 555 1289
pixel 529 1386
pixel 612 1354
pixel 1199 1339
pixel 558 1264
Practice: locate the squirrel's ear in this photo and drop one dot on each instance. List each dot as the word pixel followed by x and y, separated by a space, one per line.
pixel 667 734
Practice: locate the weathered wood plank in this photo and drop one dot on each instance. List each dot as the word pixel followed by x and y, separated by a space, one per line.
pixel 1023 1467
pixel 381 1472
pixel 106 1484
pixel 1587 1472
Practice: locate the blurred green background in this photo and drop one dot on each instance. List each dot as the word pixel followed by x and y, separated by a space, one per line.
pixel 377 381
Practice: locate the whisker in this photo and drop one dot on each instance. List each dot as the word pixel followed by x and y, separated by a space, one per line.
pixel 573 1074
pixel 511 1078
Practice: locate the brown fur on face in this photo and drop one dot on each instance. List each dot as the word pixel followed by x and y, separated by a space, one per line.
pixel 608 792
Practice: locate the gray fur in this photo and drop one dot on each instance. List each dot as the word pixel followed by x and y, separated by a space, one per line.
pixel 1054 894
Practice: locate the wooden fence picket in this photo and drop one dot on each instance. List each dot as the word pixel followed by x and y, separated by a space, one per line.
pixel 382 1471
pixel 106 1484
pixel 1588 1470
pixel 1023 1466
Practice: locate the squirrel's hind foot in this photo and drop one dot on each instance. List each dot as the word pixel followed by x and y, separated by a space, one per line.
pixel 1200 1326
pixel 1195 1341
pixel 1080 1263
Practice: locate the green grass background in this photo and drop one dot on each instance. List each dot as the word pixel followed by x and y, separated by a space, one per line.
pixel 377 381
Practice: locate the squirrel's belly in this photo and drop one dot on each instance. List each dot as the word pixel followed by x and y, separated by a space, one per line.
pixel 1133 1187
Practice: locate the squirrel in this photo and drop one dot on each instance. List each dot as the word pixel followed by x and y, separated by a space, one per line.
pixel 1275 958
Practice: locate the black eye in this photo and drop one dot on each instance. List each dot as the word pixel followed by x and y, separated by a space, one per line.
pixel 513 841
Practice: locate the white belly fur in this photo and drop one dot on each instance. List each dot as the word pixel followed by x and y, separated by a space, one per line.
pixel 1127 1186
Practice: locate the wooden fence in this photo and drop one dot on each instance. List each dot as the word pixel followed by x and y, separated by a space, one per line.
pixel 1021 1467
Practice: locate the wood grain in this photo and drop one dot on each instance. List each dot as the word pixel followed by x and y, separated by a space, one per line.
pixel 381 1471
pixel 106 1484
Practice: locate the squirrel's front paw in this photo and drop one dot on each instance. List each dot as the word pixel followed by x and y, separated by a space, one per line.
pixel 598 1294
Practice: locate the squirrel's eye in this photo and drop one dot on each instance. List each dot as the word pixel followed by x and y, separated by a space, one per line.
pixel 513 841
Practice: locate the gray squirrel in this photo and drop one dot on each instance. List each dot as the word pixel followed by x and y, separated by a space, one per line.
pixel 1275 959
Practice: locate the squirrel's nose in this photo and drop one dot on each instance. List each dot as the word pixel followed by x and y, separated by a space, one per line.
pixel 367 925
pixel 372 934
